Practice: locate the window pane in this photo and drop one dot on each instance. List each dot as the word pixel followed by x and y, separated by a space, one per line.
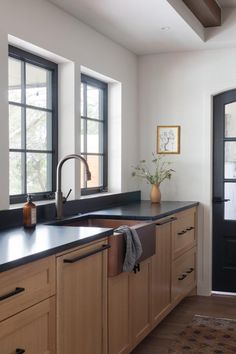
pixel 230 159
pixel 95 165
pixel 15 126
pixel 230 120
pixel 16 173
pixel 230 206
pixel 82 100
pixel 93 94
pixel 14 80
pixel 39 172
pixel 82 135
pixel 38 84
pixel 39 130
pixel 94 137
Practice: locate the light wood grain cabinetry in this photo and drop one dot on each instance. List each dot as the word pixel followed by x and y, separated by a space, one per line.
pixel 119 336
pixel 184 254
pixel 129 308
pixel 27 308
pixel 161 271
pixel 82 300
pixel 30 331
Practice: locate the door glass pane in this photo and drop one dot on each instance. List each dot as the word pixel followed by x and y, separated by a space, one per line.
pixel 94 137
pixel 39 172
pixel 38 87
pixel 230 120
pixel 38 130
pixel 16 173
pixel 230 206
pixel 14 80
pixel 15 127
pixel 230 159
pixel 93 109
pixel 96 168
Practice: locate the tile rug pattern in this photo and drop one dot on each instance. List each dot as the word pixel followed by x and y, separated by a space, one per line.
pixel 206 335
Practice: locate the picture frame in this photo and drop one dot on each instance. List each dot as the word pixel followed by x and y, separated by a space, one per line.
pixel 168 139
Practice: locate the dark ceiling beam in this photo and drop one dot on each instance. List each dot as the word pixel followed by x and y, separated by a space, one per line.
pixel 207 12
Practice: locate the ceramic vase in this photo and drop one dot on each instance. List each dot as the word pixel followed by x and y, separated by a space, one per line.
pixel 155 194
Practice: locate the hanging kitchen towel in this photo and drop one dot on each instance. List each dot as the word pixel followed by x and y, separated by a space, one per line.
pixel 133 247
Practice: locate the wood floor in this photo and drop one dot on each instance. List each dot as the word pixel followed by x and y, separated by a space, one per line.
pixel 167 331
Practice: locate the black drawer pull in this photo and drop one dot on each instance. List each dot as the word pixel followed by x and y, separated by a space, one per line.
pixel 190 228
pixel 101 249
pixel 182 277
pixel 20 351
pixel 190 270
pixel 12 293
pixel 166 221
pixel 182 232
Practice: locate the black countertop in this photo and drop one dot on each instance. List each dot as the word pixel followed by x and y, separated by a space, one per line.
pixel 19 246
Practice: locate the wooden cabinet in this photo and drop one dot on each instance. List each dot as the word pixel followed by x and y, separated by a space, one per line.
pixel 140 301
pixel 184 255
pixel 161 272
pixel 119 336
pixel 129 308
pixel 82 300
pixel 31 331
pixel 27 308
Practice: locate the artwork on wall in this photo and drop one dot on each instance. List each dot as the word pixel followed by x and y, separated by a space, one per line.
pixel 168 139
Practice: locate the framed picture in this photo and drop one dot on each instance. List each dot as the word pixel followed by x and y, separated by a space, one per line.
pixel 168 139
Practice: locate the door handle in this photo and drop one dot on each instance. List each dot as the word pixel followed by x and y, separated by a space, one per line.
pixel 220 200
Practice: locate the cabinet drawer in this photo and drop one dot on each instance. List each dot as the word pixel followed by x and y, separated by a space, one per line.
pixel 183 275
pixel 183 232
pixel 31 331
pixel 26 285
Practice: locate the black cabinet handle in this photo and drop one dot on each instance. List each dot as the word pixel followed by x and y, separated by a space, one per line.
pixel 101 249
pixel 190 270
pixel 190 228
pixel 166 221
pixel 12 293
pixel 182 232
pixel 136 268
pixel 182 277
pixel 20 351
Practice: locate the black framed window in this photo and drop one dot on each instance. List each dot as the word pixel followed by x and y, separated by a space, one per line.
pixel 94 133
pixel 33 127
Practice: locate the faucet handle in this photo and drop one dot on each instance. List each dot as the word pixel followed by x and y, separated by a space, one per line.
pixel 65 198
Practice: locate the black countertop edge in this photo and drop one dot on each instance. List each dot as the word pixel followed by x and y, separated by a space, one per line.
pixel 53 251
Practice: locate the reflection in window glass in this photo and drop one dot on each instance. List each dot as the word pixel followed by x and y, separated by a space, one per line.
pixel 38 172
pixel 14 80
pixel 93 102
pixel 230 159
pixel 230 120
pixel 230 206
pixel 38 87
pixel 16 173
pixel 38 130
pixel 15 127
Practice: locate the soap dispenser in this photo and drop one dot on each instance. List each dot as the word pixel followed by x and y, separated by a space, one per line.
pixel 29 213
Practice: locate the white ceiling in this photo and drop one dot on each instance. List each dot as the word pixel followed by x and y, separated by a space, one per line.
pixel 138 25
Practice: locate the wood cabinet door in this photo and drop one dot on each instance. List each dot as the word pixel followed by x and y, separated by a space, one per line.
pixel 31 331
pixel 161 273
pixel 118 315
pixel 82 301
pixel 140 301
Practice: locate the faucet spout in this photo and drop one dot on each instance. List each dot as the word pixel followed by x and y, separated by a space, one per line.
pixel 59 194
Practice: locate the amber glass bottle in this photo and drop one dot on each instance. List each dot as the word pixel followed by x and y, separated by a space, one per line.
pixel 29 213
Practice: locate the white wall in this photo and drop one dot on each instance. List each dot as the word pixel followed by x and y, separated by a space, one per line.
pixel 44 25
pixel 177 89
